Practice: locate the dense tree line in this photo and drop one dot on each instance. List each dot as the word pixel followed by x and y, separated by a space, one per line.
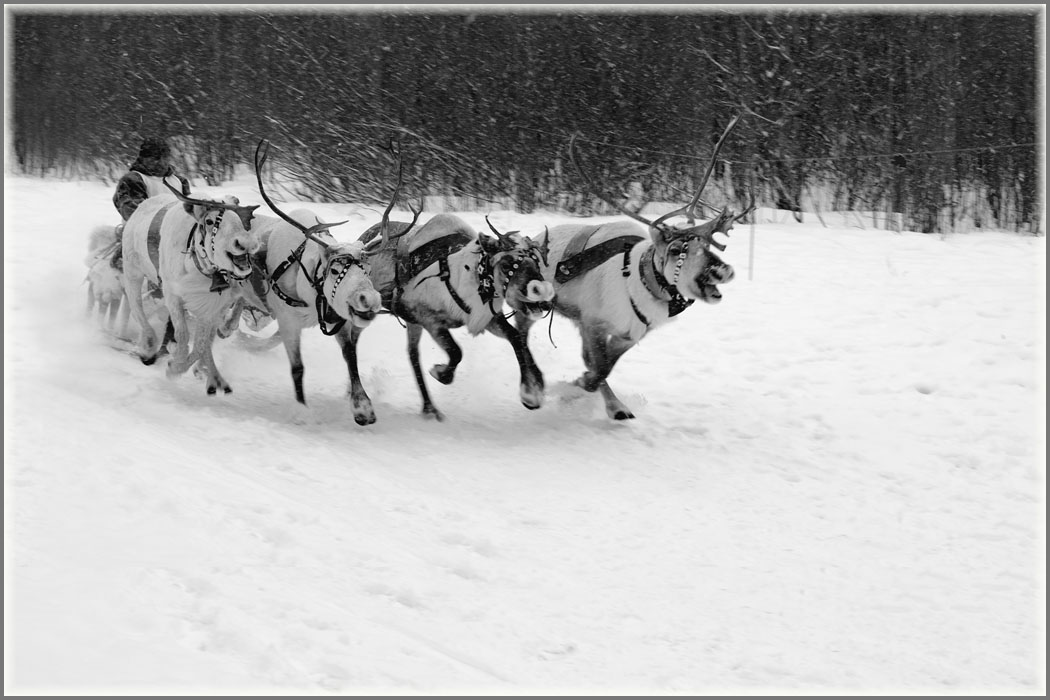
pixel 918 113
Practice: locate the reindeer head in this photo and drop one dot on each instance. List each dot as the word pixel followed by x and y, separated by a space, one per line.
pixel 683 252
pixel 684 257
pixel 223 233
pixel 514 262
pixel 346 285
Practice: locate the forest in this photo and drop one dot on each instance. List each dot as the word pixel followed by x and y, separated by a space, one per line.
pixel 930 117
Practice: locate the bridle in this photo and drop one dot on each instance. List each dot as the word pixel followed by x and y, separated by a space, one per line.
pixel 329 321
pixel 201 250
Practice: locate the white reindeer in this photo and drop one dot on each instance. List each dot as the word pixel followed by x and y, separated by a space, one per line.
pixel 198 254
pixel 444 275
pixel 617 282
pixel 105 281
pixel 310 279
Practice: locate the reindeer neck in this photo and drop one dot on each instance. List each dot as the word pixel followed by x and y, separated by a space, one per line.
pixel 465 279
pixel 650 300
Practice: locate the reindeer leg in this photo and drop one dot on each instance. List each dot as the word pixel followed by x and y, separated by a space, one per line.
pixel 447 372
pixel 90 299
pixel 415 332
pixel 614 408
pixel 364 414
pixel 292 346
pixel 531 385
pixel 594 357
pixel 169 335
pixel 125 316
pixel 204 340
pixel 600 354
pixel 182 359
pixel 147 338
pixel 111 314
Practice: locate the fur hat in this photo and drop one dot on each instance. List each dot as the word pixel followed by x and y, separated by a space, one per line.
pixel 154 148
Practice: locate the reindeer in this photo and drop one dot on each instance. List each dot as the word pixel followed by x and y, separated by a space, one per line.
pixel 308 278
pixel 444 276
pixel 616 284
pixel 105 280
pixel 198 257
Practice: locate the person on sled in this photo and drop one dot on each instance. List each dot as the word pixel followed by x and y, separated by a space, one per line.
pixel 146 177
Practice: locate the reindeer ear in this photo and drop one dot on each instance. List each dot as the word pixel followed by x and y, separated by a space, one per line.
pixel 489 244
pixel 660 235
pixel 197 211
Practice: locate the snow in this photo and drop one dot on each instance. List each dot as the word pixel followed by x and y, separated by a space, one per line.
pixel 835 482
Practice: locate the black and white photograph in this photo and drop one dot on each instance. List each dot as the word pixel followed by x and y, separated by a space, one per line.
pixel 520 349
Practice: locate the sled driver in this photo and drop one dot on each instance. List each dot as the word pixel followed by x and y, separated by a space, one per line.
pixel 145 178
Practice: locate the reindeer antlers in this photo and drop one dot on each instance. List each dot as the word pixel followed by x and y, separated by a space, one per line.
pixel 244 212
pixel 594 189
pixel 690 209
pixel 721 223
pixel 262 151
pixel 384 226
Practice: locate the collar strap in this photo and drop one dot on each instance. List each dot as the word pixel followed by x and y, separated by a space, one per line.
pixel 658 286
pixel 279 272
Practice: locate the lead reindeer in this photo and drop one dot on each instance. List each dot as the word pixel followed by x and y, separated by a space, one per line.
pixel 308 278
pixel 198 257
pixel 617 282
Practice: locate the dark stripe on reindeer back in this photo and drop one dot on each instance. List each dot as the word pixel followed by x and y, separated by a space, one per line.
pixel 153 236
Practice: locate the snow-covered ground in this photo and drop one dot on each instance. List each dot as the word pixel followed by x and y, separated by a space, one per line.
pixel 835 481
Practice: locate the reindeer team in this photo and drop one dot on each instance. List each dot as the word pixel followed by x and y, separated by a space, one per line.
pixel 210 258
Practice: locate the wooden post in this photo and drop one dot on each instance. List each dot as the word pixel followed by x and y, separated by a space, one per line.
pixel 751 241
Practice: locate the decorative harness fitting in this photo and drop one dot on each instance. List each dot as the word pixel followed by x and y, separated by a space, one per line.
pixel 486 274
pixel 658 286
pixel 328 319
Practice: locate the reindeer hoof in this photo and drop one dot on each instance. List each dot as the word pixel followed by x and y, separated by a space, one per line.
pixel 429 412
pixel 148 360
pixel 211 391
pixel 442 373
pixel 227 390
pixel 622 414
pixel 364 419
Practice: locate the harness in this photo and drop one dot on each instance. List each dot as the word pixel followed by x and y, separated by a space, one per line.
pixel 202 254
pixel 328 319
pixel 578 259
pixel 657 285
pixel 407 265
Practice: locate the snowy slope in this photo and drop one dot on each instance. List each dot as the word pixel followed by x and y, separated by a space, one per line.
pixel 835 481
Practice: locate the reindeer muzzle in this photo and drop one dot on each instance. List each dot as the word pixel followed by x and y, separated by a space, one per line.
pixel 713 274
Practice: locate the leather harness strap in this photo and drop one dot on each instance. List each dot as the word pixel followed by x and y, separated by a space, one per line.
pixel 578 258
pixel 283 268
pixel 410 264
